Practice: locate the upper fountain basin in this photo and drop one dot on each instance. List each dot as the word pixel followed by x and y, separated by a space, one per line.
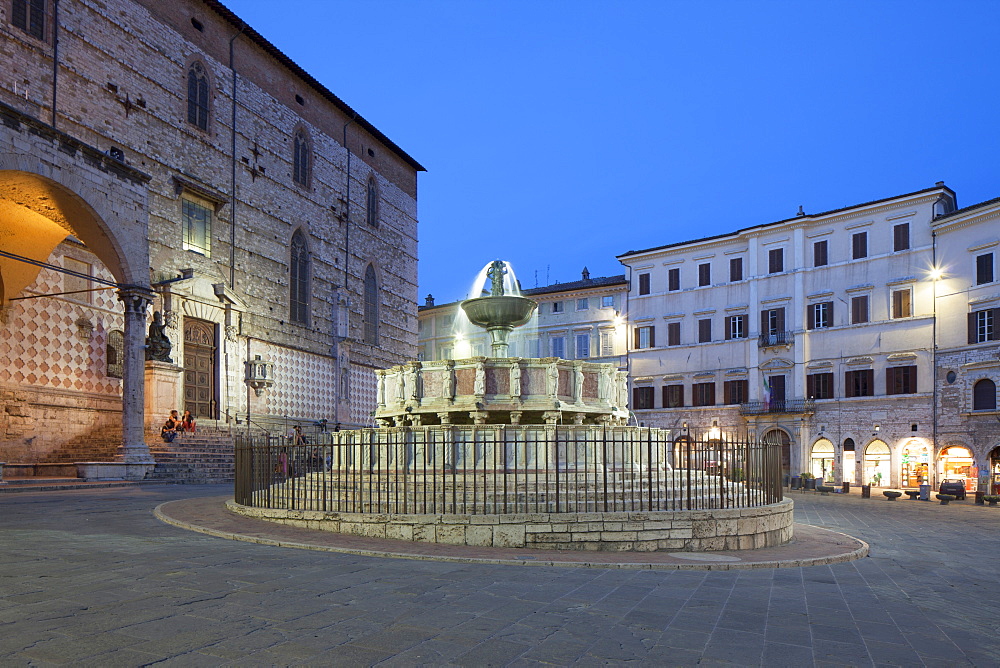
pixel 505 311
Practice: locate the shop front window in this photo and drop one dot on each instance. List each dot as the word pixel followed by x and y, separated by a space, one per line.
pixel 916 459
pixel 876 465
pixel 956 463
pixel 822 459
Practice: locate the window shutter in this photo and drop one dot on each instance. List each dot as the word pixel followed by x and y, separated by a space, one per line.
pixel 995 334
pixel 729 327
pixel 635 332
pixel 972 328
pixel 781 319
pixel 763 322
pixel 890 380
pixel 829 315
pixel 652 336
pixel 811 316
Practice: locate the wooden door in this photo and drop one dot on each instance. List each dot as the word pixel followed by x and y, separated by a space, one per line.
pixel 199 368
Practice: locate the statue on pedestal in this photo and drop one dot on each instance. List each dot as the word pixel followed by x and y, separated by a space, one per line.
pixel 157 344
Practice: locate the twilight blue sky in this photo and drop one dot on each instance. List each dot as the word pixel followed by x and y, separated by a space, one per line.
pixel 558 133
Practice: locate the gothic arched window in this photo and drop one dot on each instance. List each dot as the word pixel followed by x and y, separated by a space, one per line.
pixel 371 202
pixel 298 281
pixel 198 96
pixel 302 160
pixel 371 306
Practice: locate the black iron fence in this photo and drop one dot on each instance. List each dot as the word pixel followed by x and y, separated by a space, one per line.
pixel 498 470
pixel 788 406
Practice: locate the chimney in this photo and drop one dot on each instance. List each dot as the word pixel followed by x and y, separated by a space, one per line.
pixel 586 274
pixel 801 212
pixel 429 301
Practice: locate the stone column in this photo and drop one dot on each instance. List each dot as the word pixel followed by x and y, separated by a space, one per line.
pixel 134 451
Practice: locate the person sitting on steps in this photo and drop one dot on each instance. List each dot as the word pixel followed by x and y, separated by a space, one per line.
pixel 188 423
pixel 168 432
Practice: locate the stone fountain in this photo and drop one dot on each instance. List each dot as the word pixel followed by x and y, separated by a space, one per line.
pixel 501 389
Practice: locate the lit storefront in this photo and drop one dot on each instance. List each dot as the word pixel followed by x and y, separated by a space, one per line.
pixel 822 459
pixel 995 471
pixel 915 464
pixel 956 463
pixel 877 468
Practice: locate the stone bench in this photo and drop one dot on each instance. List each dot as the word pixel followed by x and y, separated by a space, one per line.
pixel 892 494
pixel 824 489
pixel 991 499
pixel 913 494
pixel 944 498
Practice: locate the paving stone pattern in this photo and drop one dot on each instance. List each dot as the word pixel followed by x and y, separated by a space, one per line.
pixel 90 577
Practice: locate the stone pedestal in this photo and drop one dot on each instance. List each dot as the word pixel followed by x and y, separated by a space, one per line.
pixel 163 393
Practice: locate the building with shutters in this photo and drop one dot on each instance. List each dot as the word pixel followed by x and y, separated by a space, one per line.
pixel 833 335
pixel 165 157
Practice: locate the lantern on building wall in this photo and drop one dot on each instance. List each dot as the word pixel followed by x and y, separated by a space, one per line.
pixel 259 375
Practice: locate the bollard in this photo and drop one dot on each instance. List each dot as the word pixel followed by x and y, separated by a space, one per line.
pixel 979 498
pixel 866 491
pixel 846 488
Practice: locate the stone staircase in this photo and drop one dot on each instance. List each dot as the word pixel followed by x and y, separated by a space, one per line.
pixel 203 457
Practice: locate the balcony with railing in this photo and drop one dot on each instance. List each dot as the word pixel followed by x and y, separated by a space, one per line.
pixel 778 406
pixel 775 339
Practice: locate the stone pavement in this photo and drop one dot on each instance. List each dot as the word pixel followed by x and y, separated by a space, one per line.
pixel 91 577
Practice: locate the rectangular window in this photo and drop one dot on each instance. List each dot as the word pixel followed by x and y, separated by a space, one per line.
pixel 902 304
pixel 582 304
pixel 776 260
pixel 772 321
pixel 705 330
pixel 557 307
pixel 77 284
pixel 984 269
pixel 736 269
pixel 704 274
pixel 197 222
pixel 608 301
pixel 820 257
pixel 901 237
pixel 859 383
pixel 674 279
pixel 859 309
pixel 582 346
pixel 607 344
pixel 643 284
pixel 703 394
pixel 777 385
pixel 982 325
pixel 673 396
pixel 735 391
pixel 642 397
pixel 736 327
pixel 819 315
pixel 673 333
pixel 901 380
pixel 29 16
pixel 859 245
pixel 645 337
pixel 819 386
pixel 558 346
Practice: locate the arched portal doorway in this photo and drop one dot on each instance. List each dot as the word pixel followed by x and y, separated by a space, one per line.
pixel 877 467
pixel 55 199
pixel 821 465
pixel 200 395
pixel 956 463
pixel 780 438
pixel 915 464
pixel 849 463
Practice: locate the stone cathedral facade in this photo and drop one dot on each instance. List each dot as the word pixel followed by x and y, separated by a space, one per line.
pixel 163 157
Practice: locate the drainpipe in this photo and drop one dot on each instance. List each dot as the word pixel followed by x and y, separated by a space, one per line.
pixel 932 470
pixel 55 57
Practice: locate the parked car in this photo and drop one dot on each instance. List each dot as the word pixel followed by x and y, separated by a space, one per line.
pixel 953 486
